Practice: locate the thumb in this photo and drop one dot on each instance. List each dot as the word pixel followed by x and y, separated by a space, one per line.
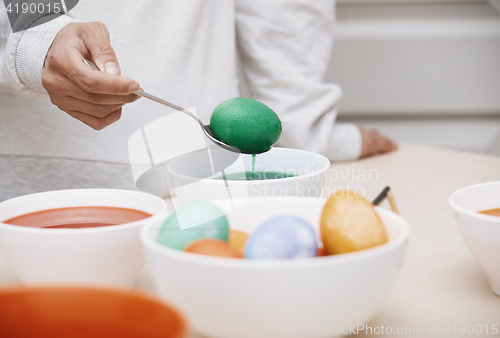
pixel 95 35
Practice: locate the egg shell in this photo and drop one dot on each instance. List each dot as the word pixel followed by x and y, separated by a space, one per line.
pixel 193 221
pixel 247 124
pixel 282 237
pixel 237 240
pixel 211 247
pixel 350 223
pixel 321 251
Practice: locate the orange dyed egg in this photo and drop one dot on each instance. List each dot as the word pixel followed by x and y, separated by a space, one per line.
pixel 211 247
pixel 321 251
pixel 237 240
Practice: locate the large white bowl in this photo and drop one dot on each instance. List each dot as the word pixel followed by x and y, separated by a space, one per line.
pixel 480 232
pixel 228 298
pixel 192 175
pixel 110 255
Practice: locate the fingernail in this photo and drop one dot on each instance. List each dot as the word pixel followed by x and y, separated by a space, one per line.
pixel 132 87
pixel 111 68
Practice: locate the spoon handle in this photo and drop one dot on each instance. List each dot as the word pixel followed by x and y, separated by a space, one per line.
pixel 169 104
pixel 152 97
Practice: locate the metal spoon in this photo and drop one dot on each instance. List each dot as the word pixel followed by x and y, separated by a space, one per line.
pixel 206 128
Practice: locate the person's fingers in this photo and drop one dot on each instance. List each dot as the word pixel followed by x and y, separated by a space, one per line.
pixel 384 144
pixel 71 104
pixel 375 143
pixel 73 90
pixel 69 64
pixel 60 88
pixel 98 82
pixel 104 99
pixel 95 36
pixel 96 123
pixel 87 40
pixel 92 97
pixel 390 145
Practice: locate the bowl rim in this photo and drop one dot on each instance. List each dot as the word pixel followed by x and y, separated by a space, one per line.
pixel 134 293
pixel 150 244
pixel 61 231
pixel 467 212
pixel 318 172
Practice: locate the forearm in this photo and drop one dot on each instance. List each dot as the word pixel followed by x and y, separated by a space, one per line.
pixel 22 54
pixel 337 141
pixel 285 47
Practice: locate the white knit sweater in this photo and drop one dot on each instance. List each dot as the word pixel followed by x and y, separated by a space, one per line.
pixel 185 51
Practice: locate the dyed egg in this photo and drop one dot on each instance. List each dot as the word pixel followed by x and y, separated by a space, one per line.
pixel 247 124
pixel 282 237
pixel 211 247
pixel 350 223
pixel 192 221
pixel 237 240
pixel 321 251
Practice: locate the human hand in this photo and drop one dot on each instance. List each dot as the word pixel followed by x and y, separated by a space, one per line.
pixel 95 98
pixel 375 143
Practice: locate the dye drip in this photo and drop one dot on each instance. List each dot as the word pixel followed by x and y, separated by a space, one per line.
pixel 253 165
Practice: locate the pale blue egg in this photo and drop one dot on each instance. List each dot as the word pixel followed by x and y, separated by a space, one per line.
pixel 282 237
pixel 193 221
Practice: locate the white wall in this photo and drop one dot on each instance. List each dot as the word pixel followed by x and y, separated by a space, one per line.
pixel 423 71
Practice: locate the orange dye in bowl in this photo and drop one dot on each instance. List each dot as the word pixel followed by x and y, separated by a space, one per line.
pixel 78 217
pixel 81 312
pixel 491 212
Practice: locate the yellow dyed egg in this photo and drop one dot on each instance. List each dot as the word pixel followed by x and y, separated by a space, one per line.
pixel 349 223
pixel 237 240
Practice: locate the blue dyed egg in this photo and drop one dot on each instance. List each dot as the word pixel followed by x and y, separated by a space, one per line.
pixel 282 237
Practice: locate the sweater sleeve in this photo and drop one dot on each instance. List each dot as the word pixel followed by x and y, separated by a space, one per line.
pixel 22 54
pixel 285 48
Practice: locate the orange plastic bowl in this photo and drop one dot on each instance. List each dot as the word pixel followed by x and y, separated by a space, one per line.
pixel 57 312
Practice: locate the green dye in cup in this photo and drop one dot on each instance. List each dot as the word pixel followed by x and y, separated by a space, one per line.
pixel 256 176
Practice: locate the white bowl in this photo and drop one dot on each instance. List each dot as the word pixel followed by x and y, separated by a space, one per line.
pixel 109 255
pixel 192 176
pixel 480 232
pixel 228 298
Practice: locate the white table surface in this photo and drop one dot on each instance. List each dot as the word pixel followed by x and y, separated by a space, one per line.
pixel 439 283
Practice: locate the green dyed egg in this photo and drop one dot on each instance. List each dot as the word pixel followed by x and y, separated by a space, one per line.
pixel 246 124
pixel 192 221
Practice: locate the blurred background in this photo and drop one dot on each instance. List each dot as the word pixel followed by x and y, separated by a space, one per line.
pixel 425 71
pixel 421 71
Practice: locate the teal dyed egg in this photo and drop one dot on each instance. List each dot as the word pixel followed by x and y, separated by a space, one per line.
pixel 246 124
pixel 192 221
